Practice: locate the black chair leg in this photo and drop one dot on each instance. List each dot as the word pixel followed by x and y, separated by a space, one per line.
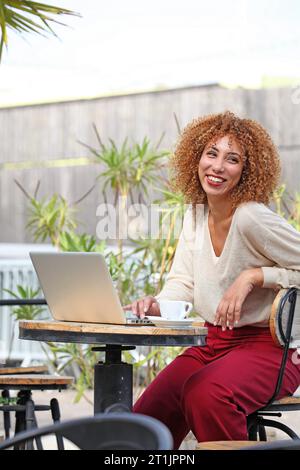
pixel 20 424
pixel 252 426
pixel 6 415
pixel 262 433
pixel 55 411
pixel 38 440
pixel 30 421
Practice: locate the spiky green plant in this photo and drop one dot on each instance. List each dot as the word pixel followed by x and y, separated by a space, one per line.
pixel 54 219
pixel 24 16
pixel 26 312
pixel 127 170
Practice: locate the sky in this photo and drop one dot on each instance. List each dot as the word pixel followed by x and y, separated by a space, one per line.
pixel 120 46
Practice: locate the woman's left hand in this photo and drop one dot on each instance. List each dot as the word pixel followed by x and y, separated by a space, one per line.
pixel 229 309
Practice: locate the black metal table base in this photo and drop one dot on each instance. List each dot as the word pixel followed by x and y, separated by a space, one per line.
pixel 113 381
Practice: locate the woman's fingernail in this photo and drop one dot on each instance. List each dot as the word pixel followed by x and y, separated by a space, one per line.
pixel 145 309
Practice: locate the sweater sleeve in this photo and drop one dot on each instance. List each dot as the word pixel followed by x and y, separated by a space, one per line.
pixel 179 283
pixel 273 237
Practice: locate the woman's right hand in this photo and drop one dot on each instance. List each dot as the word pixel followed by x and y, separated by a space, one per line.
pixel 145 306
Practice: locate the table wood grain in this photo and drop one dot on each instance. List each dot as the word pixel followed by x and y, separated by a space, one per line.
pixel 99 333
pixel 112 329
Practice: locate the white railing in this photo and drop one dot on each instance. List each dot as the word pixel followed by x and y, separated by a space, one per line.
pixel 12 273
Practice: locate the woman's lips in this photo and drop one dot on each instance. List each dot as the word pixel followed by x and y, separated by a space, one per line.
pixel 213 183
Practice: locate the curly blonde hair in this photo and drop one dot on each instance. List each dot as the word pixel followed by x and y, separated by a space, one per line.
pixel 261 171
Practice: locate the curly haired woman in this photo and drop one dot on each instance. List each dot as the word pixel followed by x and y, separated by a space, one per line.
pixel 233 254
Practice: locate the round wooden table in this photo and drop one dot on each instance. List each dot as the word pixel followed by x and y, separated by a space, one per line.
pixel 113 378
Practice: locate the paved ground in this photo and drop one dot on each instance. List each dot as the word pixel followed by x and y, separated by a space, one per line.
pixel 71 410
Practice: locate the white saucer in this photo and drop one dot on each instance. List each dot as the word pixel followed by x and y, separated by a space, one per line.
pixel 159 321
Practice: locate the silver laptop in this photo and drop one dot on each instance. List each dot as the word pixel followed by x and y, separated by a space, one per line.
pixel 78 288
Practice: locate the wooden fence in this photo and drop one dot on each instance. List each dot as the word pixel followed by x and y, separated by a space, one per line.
pixel 32 136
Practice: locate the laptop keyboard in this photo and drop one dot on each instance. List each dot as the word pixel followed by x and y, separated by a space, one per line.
pixel 139 321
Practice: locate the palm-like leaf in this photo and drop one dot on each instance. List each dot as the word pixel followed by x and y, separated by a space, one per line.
pixel 26 312
pixel 28 16
pixel 128 167
pixel 70 241
pixel 49 218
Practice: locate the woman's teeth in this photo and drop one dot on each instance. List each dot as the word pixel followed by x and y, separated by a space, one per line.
pixel 215 180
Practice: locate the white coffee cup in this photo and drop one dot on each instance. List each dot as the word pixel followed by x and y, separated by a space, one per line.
pixel 174 309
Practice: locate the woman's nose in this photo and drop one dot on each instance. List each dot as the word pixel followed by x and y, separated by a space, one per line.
pixel 218 166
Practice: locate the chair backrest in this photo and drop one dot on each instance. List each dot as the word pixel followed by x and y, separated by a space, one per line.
pixel 106 431
pixel 286 309
pixel 283 316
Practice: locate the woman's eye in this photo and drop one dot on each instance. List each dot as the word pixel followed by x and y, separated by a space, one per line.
pixel 231 159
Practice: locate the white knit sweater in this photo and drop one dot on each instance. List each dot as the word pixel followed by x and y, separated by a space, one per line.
pixel 257 237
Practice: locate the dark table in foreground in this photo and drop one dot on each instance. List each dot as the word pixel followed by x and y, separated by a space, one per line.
pixel 113 378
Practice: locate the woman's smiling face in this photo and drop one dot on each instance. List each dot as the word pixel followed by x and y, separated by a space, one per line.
pixel 220 166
